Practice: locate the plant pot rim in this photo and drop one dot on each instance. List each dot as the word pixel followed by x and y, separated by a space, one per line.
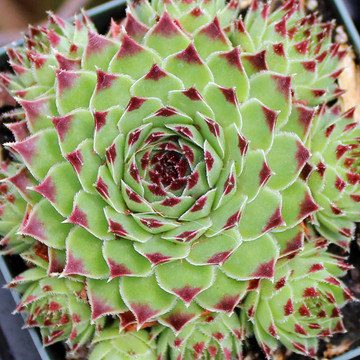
pixel 112 9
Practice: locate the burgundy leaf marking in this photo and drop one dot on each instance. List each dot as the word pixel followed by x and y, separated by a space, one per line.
pixel 117 228
pixel 76 160
pixel 78 217
pixel 214 31
pixel 20 180
pixel 305 118
pixel 158 258
pixel 199 347
pixel 143 312
pixel 111 154
pixel 213 126
pixel 151 223
pixel 288 308
pixel 280 284
pixel 166 111
pixel 300 330
pixel 219 257
pixel 102 188
pixel 135 103
pixel 27 148
pixel 100 119
pixel 302 47
pixel 229 184
pixel 304 311
pixel 65 80
pixel 34 108
pixel 134 28
pixel 253 284
pixel 229 95
pixel 166 26
pixel 117 270
pixel 178 320
pixel 258 61
pixel 155 73
pixel 209 160
pixel 279 49
pixel 74 265
pixel 233 58
pixel 187 293
pixel 242 144
pixel 66 63
pixel 227 303
pixel 264 174
pixel 272 330
pixel 19 129
pixel 283 85
pixel 129 47
pixel 299 347
pixel 199 204
pixel 302 155
pixel 190 55
pixel 96 44
pixel 62 125
pixel 104 80
pixel 187 235
pixel 265 270
pixel 134 136
pixel 310 292
pixel 274 221
pixel 192 94
pixel 35 228
pixel 307 206
pixel 171 202
pixel 157 190
pixel 309 65
pixel 232 220
pixel 184 131
pixel 47 189
pixel 270 117
pixel 318 93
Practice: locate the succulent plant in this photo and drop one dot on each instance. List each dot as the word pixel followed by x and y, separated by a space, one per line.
pixel 12 209
pixel 334 174
pixel 165 168
pixel 302 303
pixel 58 306
pixel 213 336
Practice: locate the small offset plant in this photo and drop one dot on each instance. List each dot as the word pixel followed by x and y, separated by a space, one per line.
pixel 174 185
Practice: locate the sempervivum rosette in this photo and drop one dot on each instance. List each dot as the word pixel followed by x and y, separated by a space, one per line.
pixel 58 306
pixel 213 336
pixel 165 163
pixel 302 304
pixel 335 177
pixel 161 169
pixel 12 209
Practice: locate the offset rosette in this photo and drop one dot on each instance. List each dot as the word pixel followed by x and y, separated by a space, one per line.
pixel 57 306
pixel 213 336
pixel 288 42
pixel 14 198
pixel 110 344
pixel 302 304
pixel 335 175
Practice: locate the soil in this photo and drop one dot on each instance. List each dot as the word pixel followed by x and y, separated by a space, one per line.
pixel 335 346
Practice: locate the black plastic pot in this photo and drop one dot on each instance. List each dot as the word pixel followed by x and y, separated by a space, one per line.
pixel 21 345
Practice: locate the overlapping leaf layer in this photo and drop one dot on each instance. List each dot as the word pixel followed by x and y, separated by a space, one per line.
pixel 166 173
